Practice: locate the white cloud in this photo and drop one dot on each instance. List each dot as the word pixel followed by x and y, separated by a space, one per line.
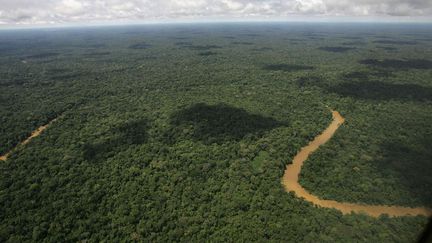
pixel 15 12
pixel 232 5
pixel 311 6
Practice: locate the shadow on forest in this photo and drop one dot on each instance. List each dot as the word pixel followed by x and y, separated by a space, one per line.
pixel 179 38
pixel 183 43
pixel 14 82
pixel 66 76
pixel 219 123
pixel 393 42
pixel 411 164
pixel 359 85
pixel 337 49
pixel 376 90
pixel 262 49
pixel 201 48
pixel 352 37
pixel 387 48
pixel 62 74
pixel 43 55
pixel 398 64
pixel 96 54
pixel 90 45
pixel 139 46
pixel 120 138
pixel 287 67
pixel 242 43
pixel 311 81
pixel 354 43
pixel 366 75
pixel 207 53
pixel 252 35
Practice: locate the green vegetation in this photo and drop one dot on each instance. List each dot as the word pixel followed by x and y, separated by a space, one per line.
pixel 207 53
pixel 161 139
pixel 396 42
pixel 399 64
pixel 259 160
pixel 140 46
pixel 286 67
pixel 336 48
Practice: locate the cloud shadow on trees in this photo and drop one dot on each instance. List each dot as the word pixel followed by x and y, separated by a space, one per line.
pixel 183 43
pixel 411 164
pixel 387 48
pixel 43 55
pixel 262 49
pixel 207 53
pixel 367 75
pixel 398 64
pixel 140 46
pixel 121 137
pixel 242 43
pixel 395 42
pixel 201 47
pixel 219 123
pixel 311 81
pixel 336 49
pixel 287 67
pixel 377 90
pixel 96 54
pixel 359 85
pixel 354 43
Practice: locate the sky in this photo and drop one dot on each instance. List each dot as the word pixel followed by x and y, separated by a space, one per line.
pixel 70 12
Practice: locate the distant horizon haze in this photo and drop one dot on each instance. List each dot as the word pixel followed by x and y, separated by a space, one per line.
pixel 327 21
pixel 46 13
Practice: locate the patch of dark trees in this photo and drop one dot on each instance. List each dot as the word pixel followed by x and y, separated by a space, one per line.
pixel 262 49
pixel 203 47
pixel 183 43
pixel 241 43
pixel 395 42
pixel 377 90
pixel 96 54
pixel 122 136
pixel 367 75
pixel 336 48
pixel 43 55
pixel 139 46
pixel 398 64
pixel 397 158
pixel 207 53
pixel 387 48
pixel 287 67
pixel 354 43
pixel 220 123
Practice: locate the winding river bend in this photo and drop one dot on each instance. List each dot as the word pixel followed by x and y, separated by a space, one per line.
pixel 291 183
pixel 291 176
pixel 34 134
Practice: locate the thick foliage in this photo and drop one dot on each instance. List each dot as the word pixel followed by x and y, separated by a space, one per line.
pixel 160 139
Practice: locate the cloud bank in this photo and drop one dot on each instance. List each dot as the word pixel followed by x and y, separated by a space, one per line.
pixel 23 12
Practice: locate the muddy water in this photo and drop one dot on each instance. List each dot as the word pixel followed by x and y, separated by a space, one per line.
pixel 34 134
pixel 292 171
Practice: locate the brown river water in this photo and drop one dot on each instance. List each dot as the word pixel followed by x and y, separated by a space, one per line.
pixel 291 183
pixel 292 171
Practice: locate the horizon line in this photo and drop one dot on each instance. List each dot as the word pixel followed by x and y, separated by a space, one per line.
pixel 331 20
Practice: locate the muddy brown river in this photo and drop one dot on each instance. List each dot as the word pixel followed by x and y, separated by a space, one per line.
pixel 291 176
pixel 292 171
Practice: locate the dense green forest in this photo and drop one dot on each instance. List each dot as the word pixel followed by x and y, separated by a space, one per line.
pixel 182 132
